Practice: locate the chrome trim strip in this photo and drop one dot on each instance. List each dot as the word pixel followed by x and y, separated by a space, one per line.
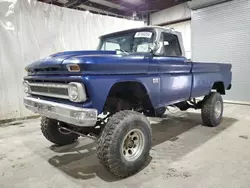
pixel 61 112
pixel 48 85
pixel 49 95
pixel 52 85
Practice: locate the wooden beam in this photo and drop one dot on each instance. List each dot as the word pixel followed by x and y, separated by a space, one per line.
pixel 74 3
pixel 104 8
pixel 50 1
pixel 147 6
pixel 129 6
pixel 174 21
pixel 101 13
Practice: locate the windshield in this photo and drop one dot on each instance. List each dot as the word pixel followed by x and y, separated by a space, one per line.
pixel 140 41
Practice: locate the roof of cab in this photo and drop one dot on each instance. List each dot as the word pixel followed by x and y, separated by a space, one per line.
pixel 143 28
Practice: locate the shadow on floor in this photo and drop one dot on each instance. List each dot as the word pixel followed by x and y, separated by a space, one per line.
pixel 79 160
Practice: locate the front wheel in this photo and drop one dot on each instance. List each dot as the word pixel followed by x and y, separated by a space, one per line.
pixel 51 131
pixel 212 110
pixel 124 145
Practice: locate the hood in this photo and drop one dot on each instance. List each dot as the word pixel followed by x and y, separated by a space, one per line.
pixel 91 62
pixel 55 61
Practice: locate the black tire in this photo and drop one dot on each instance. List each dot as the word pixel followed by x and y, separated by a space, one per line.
pixel 110 143
pixel 208 112
pixel 50 130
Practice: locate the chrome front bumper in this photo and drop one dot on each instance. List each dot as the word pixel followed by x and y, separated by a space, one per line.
pixel 83 117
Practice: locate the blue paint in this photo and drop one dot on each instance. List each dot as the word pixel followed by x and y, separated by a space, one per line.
pixel 167 80
pixel 206 74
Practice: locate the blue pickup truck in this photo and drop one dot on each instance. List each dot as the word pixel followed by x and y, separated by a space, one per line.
pixel 107 94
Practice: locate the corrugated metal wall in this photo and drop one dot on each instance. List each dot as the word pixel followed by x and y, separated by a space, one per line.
pixel 221 33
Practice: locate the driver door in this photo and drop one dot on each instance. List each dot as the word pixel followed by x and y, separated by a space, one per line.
pixel 174 71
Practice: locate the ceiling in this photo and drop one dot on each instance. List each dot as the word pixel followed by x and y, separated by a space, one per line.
pixel 136 9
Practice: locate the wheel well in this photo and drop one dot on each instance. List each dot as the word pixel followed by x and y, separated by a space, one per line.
pixel 220 88
pixel 134 94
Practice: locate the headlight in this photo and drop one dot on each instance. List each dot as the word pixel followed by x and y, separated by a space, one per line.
pixel 26 87
pixel 76 92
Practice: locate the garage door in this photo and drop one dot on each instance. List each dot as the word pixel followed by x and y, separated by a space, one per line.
pixel 221 33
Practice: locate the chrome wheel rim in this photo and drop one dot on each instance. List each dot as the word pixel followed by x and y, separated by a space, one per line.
pixel 217 109
pixel 133 145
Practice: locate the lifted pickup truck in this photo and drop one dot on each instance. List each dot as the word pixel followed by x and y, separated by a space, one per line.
pixel 106 94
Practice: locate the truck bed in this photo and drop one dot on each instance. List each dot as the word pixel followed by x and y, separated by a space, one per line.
pixel 206 74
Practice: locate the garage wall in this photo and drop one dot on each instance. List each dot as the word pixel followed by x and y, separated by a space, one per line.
pixel 30 30
pixel 178 12
pixel 221 33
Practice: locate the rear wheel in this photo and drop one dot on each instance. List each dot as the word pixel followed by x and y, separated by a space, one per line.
pixel 212 110
pixel 51 131
pixel 124 145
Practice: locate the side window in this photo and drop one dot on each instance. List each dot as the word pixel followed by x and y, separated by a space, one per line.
pixel 170 45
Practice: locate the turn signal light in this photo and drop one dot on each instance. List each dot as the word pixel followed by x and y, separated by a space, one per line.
pixel 73 68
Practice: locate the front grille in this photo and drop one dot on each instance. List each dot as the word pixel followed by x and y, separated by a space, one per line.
pixel 47 70
pixel 56 90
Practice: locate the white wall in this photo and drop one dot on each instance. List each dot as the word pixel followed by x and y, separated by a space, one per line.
pixel 30 30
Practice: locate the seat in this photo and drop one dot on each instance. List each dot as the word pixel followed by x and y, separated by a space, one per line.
pixel 169 51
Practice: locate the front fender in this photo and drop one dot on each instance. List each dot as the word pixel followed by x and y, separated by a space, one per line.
pixel 98 87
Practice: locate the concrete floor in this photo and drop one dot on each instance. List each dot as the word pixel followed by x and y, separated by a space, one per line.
pixel 185 154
